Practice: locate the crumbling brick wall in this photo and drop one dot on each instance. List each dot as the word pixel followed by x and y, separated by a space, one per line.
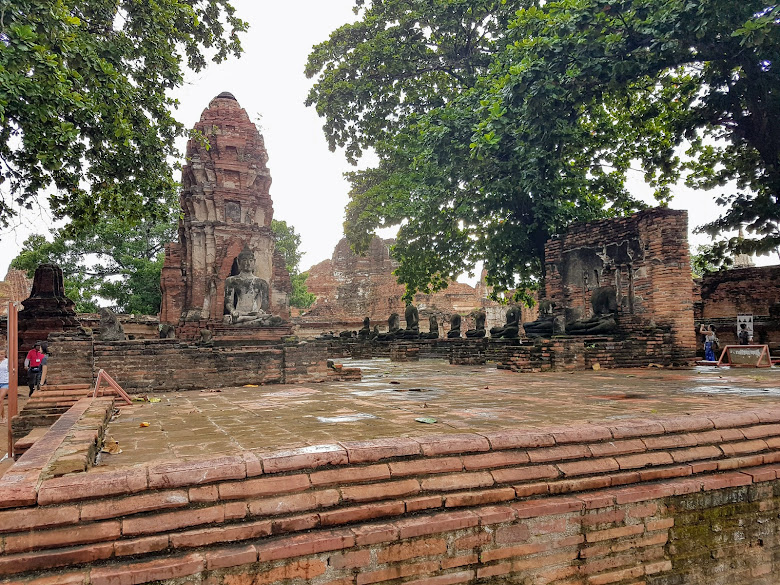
pixel 644 257
pixel 169 364
pixel 583 353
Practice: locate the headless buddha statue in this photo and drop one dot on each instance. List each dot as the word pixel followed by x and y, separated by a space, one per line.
pixel 604 303
pixel 543 326
pixel 412 318
pixel 454 331
pixel 393 328
pixel 365 331
pixel 433 329
pixel 479 326
pixel 512 327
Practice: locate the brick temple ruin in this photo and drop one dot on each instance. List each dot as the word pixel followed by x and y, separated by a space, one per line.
pixel 640 264
pixel 297 472
pixel 227 208
pixel 225 311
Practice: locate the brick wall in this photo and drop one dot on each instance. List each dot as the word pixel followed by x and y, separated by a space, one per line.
pixel 644 257
pixel 168 364
pixel 688 499
pixel 70 358
pixel 582 353
pixel 725 294
pixel 560 353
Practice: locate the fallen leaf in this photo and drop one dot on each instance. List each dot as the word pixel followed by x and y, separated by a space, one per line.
pixel 155 400
pixel 596 366
pixel 144 424
pixel 111 446
pixel 426 420
pixel 251 386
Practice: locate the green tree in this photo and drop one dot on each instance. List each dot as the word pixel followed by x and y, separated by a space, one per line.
pixel 85 108
pixel 411 81
pixel 706 259
pixel 498 123
pixel 288 243
pixel 113 260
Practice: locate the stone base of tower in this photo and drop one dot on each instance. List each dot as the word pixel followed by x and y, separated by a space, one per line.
pixel 192 331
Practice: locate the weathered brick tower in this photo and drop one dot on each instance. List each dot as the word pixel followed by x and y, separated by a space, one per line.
pixel 226 206
pixel 644 257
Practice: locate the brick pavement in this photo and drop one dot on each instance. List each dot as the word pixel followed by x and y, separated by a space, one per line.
pixel 188 425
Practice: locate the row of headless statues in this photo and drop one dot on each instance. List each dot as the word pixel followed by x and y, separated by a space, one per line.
pixel 602 322
pixel 247 301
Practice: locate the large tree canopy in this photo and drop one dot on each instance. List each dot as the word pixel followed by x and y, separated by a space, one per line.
pixel 85 109
pixel 499 122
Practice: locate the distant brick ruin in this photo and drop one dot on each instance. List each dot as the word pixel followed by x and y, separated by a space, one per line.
pixel 226 207
pixel 640 264
pixel 350 287
pixel 15 287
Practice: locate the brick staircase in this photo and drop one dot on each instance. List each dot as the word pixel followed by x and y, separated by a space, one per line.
pixel 43 410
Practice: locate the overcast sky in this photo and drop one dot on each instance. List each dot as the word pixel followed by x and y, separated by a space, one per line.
pixel 308 188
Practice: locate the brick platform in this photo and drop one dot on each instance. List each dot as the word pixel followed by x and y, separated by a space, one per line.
pixel 627 489
pixel 599 503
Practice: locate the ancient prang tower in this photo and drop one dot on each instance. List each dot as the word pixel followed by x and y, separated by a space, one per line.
pixel 226 208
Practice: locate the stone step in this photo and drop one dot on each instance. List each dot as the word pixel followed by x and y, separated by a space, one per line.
pixel 68 387
pixel 21 446
pixel 84 389
pixel 56 409
pixel 44 399
pixel 27 423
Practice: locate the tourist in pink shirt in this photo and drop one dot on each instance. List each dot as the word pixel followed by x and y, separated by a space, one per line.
pixel 34 363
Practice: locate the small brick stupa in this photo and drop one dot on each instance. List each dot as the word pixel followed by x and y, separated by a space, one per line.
pixel 47 310
pixel 227 209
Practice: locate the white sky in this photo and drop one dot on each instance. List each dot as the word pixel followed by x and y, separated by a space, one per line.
pixel 308 188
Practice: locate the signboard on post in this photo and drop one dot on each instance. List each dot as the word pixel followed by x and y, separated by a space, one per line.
pixel 756 356
pixel 747 320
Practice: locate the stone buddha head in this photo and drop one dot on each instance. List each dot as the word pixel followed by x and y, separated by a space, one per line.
pixel 246 261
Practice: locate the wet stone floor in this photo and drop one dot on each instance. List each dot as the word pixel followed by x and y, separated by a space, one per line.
pixel 392 397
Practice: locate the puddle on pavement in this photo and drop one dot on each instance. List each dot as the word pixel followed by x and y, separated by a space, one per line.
pixel 345 418
pixel 744 391
pixel 368 393
pixel 625 396
pixel 292 393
